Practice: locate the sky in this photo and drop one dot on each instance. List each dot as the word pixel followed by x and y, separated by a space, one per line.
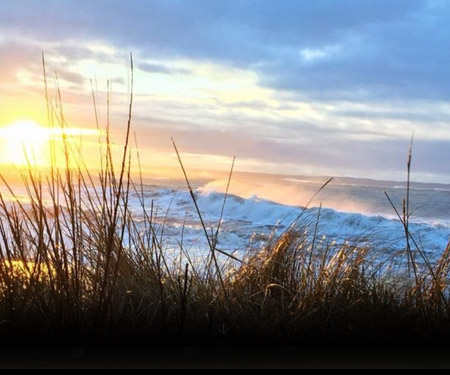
pixel 324 87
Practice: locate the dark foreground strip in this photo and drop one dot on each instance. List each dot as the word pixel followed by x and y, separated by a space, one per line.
pixel 233 358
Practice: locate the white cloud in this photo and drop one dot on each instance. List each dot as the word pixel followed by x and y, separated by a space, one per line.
pixel 311 55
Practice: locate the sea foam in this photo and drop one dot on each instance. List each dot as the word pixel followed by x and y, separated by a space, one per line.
pixel 244 217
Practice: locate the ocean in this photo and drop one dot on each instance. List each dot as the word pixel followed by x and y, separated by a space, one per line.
pixel 260 205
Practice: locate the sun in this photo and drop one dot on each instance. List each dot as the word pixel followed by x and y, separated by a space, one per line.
pixel 24 143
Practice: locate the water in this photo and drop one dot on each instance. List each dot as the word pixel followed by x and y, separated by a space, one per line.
pixel 259 205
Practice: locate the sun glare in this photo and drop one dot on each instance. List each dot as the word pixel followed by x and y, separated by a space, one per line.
pixel 24 143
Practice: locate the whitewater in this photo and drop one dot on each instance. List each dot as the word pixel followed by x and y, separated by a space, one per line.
pixel 259 207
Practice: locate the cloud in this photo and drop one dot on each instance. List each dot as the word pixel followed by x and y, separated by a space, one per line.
pixel 16 56
pixel 209 27
pixel 414 113
pixel 336 153
pixel 162 69
pixel 326 49
pixel 365 72
pixel 405 58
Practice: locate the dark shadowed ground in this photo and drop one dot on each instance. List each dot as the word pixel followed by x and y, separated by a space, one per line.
pixel 208 358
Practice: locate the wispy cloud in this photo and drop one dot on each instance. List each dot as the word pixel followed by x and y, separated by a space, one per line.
pixel 162 69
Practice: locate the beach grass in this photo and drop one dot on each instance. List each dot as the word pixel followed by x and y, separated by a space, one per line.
pixel 77 269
